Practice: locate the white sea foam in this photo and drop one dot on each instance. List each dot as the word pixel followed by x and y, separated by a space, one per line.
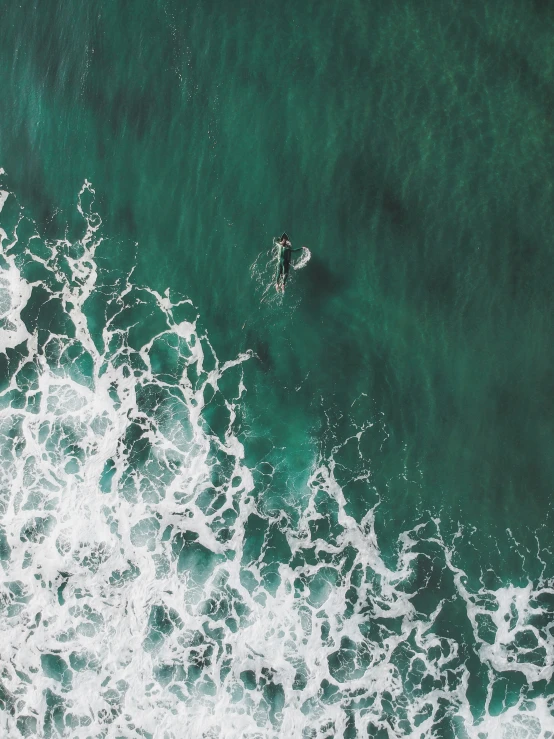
pixel 303 259
pixel 133 601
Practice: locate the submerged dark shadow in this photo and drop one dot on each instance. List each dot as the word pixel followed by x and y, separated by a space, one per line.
pixel 543 7
pixel 321 283
pixel 126 218
pixel 394 207
pixel 261 349
pixel 364 185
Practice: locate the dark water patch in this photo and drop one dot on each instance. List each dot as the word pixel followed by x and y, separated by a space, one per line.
pixel 322 282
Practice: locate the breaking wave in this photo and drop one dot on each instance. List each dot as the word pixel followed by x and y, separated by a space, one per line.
pixel 144 590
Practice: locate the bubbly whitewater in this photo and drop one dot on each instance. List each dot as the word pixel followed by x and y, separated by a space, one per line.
pixel 134 599
pixel 303 259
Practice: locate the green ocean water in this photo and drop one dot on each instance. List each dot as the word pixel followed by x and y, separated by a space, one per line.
pixel 409 146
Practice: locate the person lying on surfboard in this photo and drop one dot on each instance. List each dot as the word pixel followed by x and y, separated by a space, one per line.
pixel 285 250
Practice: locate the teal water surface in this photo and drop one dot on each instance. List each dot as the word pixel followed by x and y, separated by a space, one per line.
pixel 410 147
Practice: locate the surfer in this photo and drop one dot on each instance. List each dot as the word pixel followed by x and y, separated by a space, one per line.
pixel 285 250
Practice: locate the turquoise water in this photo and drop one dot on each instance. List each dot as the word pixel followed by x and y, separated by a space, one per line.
pixel 231 513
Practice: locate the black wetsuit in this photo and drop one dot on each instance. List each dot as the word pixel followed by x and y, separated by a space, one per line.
pixel 284 261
